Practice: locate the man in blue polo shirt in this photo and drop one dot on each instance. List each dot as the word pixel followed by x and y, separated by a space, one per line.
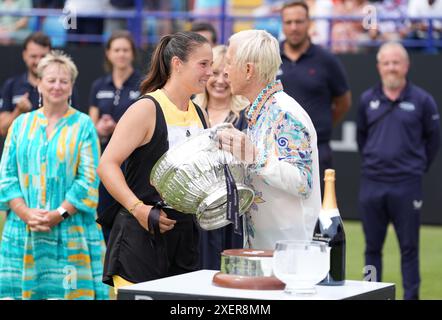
pixel 313 77
pixel 398 138
pixel 19 93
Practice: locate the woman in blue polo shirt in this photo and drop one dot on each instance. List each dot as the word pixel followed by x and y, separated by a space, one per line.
pixel 112 94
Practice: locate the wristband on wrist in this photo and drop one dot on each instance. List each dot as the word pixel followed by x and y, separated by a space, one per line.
pixel 63 212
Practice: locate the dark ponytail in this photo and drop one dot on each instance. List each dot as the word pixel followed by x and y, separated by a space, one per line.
pixel 180 45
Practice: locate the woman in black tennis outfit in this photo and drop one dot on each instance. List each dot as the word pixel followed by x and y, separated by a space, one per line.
pixel 147 242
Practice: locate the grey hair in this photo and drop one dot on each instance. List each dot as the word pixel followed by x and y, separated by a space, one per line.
pixel 392 44
pixel 57 56
pixel 260 48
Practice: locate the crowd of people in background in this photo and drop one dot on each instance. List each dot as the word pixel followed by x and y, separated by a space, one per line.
pixel 48 171
pixel 345 26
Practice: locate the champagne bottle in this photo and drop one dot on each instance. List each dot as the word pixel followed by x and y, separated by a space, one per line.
pixel 330 228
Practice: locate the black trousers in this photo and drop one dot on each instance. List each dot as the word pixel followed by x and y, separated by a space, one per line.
pixel 381 203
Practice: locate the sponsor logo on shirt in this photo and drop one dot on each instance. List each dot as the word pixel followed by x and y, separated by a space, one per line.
pixel 134 94
pixel 407 106
pixel 178 134
pixel 417 204
pixel 374 104
pixel 102 94
pixel 434 116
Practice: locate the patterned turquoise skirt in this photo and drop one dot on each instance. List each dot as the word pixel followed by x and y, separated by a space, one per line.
pixel 66 263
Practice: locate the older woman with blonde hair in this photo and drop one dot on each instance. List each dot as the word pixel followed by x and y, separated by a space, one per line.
pixel 51 246
pixel 280 144
pixel 221 107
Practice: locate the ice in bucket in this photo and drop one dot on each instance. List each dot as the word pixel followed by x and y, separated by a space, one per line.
pixel 301 264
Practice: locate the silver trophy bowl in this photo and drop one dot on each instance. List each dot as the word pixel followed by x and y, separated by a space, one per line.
pixel 190 178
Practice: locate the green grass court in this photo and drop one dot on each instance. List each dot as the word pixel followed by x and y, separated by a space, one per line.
pixel 430 258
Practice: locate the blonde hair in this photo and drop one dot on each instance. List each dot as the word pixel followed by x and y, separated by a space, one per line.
pixel 61 58
pixel 260 48
pixel 237 103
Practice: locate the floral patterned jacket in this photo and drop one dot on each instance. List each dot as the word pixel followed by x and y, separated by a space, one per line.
pixel 285 176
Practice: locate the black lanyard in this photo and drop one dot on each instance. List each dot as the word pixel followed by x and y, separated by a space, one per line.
pixel 382 116
pixel 232 200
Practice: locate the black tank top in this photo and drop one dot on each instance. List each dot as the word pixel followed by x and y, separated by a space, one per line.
pixel 140 163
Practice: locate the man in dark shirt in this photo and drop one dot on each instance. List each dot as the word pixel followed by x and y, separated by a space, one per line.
pixel 20 93
pixel 398 138
pixel 313 77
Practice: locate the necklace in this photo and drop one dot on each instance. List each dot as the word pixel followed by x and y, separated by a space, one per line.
pixel 166 93
pixel 255 109
pixel 169 97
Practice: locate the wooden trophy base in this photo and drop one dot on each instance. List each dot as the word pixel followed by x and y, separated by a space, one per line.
pixel 247 269
pixel 246 282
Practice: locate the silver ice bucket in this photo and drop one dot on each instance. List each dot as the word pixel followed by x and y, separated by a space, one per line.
pixel 190 178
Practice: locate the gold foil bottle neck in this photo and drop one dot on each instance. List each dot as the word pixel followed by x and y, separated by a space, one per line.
pixel 329 200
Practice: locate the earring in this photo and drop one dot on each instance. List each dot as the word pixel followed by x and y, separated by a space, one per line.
pixel 70 101
pixel 40 102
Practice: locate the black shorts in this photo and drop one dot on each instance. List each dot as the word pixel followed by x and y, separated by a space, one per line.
pixel 137 256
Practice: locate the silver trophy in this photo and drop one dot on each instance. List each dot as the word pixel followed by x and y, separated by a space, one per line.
pixel 190 178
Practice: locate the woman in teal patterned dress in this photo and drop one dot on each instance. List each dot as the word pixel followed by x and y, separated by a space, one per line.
pixel 51 246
